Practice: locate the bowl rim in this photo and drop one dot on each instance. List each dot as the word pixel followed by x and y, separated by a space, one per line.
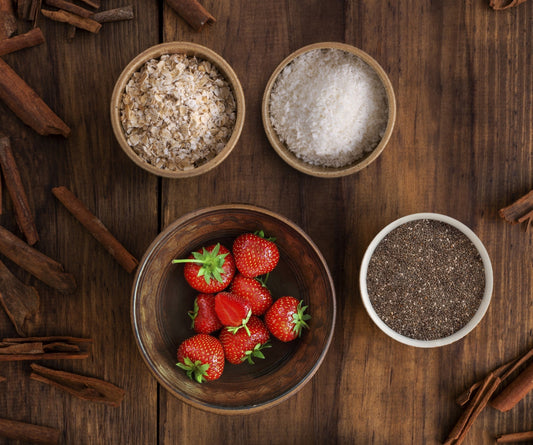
pixel 314 170
pixel 238 410
pixel 487 295
pixel 188 48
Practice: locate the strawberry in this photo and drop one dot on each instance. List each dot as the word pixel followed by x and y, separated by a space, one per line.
pixel 254 254
pixel 232 311
pixel 201 357
pixel 204 317
pixel 253 290
pixel 242 347
pixel 210 269
pixel 285 318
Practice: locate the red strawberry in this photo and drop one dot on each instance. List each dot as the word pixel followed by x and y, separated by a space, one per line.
pixel 210 269
pixel 240 347
pixel 201 357
pixel 232 311
pixel 254 254
pixel 204 317
pixel 285 318
pixel 254 291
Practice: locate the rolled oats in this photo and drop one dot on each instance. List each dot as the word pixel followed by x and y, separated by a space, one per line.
pixel 177 112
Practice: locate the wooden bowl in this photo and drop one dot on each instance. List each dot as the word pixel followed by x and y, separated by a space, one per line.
pixel 315 170
pixel 161 299
pixel 190 49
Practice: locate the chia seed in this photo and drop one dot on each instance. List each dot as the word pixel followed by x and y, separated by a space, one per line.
pixel 426 279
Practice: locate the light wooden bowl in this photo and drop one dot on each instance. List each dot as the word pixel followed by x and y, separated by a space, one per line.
pixel 161 299
pixel 190 49
pixel 314 170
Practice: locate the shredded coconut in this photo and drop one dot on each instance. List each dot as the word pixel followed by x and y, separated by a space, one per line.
pixel 177 112
pixel 329 107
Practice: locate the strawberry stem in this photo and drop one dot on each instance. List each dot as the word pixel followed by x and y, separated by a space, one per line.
pixel 234 329
pixel 211 262
pixel 256 352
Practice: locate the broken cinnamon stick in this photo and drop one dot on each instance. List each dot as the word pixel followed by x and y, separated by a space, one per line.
pixel 70 7
pixel 517 209
pixel 27 105
pixel 31 38
pixel 16 190
pixel 524 436
pixel 80 386
pixel 67 17
pixel 44 348
pixel 96 228
pixel 29 432
pixel 114 15
pixel 39 265
pixel 500 5
pixel 515 391
pixel 8 21
pixel 21 302
pixel 192 12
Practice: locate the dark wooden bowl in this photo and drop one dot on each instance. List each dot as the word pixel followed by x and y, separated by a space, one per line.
pixel 161 299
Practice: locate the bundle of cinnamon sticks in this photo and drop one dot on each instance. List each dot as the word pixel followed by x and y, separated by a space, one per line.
pixel 481 394
pixel 519 211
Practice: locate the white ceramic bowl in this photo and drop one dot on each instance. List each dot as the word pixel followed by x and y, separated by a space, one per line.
pixel 484 302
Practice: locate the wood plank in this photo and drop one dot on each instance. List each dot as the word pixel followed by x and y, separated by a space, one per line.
pixel 76 79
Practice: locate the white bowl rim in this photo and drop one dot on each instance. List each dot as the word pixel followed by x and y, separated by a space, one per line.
pixel 478 316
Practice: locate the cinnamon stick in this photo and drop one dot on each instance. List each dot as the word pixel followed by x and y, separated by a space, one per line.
pixel 474 409
pixel 499 5
pixel 27 105
pixel 80 386
pixel 192 12
pixel 67 17
pixel 44 348
pixel 512 213
pixel 96 228
pixel 504 372
pixel 515 391
pixel 524 436
pixel 8 21
pixel 2 379
pixel 16 190
pixel 21 302
pixel 70 7
pixel 93 3
pixel 39 265
pixel 31 38
pixel 114 15
pixel 29 432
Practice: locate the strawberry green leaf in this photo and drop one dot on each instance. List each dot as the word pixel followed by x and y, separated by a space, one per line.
pixel 299 319
pixel 244 322
pixel 196 370
pixel 211 263
pixel 256 352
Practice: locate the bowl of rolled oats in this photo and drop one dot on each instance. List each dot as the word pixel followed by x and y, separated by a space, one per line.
pixel 177 109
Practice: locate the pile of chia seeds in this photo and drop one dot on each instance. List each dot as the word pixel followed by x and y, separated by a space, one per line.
pixel 426 279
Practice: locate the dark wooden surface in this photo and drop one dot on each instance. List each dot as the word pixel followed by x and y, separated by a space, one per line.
pixel 462 146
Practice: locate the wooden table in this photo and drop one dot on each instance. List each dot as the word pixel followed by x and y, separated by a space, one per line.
pixel 462 146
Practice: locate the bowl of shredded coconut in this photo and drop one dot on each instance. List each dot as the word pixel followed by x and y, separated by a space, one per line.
pixel 329 109
pixel 177 109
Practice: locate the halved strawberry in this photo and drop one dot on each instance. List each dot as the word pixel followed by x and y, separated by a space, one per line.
pixel 253 290
pixel 285 318
pixel 232 311
pixel 210 269
pixel 201 357
pixel 242 347
pixel 254 254
pixel 203 315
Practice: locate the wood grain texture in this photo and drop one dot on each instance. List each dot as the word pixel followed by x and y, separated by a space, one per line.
pixel 462 146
